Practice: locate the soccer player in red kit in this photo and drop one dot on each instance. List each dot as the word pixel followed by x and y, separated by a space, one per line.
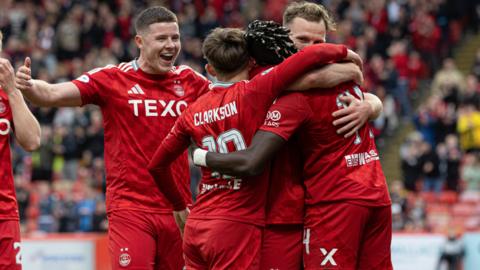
pixel 14 116
pixel 223 230
pixel 362 247
pixel 140 102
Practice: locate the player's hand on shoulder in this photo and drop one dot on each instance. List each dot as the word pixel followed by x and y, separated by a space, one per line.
pixel 23 77
pixel 7 76
pixel 350 119
pixel 181 218
pixel 355 58
pixel 357 73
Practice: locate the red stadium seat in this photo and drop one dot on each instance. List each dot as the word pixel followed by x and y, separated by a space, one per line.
pixel 428 197
pixel 463 210
pixel 449 197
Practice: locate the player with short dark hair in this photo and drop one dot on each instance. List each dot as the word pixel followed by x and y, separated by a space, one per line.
pixel 14 116
pixel 140 101
pixel 224 228
pixel 156 14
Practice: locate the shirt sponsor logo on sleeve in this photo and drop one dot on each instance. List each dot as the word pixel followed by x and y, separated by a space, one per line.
pixel 360 159
pixel 84 79
pixel 272 119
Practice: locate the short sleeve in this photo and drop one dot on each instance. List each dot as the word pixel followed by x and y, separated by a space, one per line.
pixel 286 115
pixel 91 88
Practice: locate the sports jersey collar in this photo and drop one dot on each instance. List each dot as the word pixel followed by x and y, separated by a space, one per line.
pixel 137 68
pixel 222 84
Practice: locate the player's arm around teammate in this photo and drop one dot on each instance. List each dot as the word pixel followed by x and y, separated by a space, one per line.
pixel 265 144
pixel 329 76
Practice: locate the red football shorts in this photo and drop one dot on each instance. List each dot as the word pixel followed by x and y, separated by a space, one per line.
pixel 221 244
pixel 10 245
pixel 347 236
pixel 282 247
pixel 144 241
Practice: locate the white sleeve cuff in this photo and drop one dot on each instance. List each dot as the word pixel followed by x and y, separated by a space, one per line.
pixel 200 157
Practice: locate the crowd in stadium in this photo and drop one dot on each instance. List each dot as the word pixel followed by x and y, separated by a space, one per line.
pixel 60 186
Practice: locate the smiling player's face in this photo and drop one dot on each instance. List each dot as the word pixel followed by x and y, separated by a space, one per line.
pixel 159 46
pixel 305 33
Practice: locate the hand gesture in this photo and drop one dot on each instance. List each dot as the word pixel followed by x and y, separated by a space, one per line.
pixel 355 58
pixel 23 76
pixel 7 76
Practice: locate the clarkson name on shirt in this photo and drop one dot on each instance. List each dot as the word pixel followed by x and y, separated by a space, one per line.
pixel 215 114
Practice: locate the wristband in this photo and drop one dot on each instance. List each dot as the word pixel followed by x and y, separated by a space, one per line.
pixel 200 157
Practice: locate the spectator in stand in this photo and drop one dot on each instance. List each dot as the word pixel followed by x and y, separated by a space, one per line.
pixel 416 216
pixel 416 70
pixel 471 94
pixel 399 205
pixel 468 128
pixel 411 164
pixel 399 58
pixel 430 163
pixel 387 122
pixel 426 35
pixel 454 157
pixel 42 159
pixel 471 172
pixel 476 65
pixel 449 80
pixel 425 122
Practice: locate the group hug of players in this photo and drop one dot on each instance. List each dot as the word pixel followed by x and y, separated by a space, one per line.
pixel 291 177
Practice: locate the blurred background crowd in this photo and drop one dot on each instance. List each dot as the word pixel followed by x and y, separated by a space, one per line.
pixel 407 47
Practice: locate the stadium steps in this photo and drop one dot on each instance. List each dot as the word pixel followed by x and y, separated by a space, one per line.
pixel 464 57
pixel 465 54
pixel 390 153
pixel 390 150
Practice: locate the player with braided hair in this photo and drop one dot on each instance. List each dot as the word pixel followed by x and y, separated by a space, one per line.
pixel 229 212
pixel 268 42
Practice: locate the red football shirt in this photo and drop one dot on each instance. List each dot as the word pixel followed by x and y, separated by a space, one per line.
pixel 338 168
pixel 335 168
pixel 8 201
pixel 139 109
pixel 286 198
pixel 225 120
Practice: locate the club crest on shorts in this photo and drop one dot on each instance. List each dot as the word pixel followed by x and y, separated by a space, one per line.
pixel 124 258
